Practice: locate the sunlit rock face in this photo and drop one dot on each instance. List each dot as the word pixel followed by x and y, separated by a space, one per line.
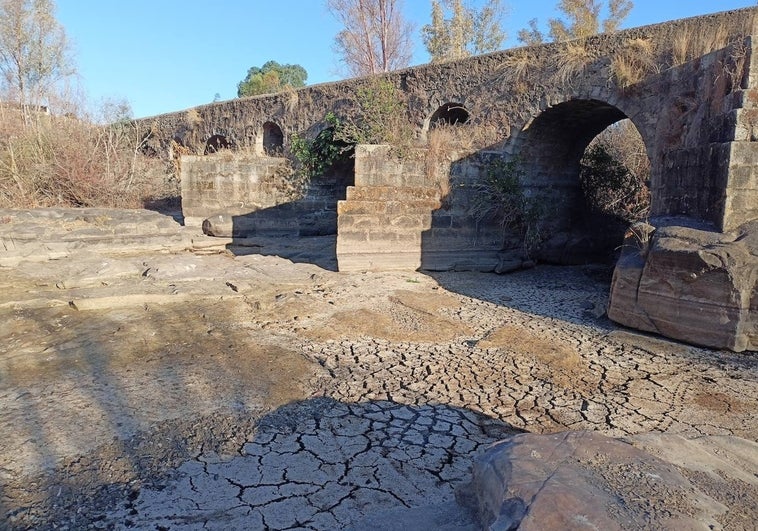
pixel 689 284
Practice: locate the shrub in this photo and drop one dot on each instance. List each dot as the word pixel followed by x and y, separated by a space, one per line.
pixel 381 118
pixel 501 196
pixel 316 157
pixel 63 161
pixel 611 188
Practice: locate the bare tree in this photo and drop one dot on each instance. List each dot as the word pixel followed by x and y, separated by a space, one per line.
pixel 34 51
pixel 467 31
pixel 376 37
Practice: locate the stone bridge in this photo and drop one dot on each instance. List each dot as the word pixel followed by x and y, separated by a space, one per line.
pixel 689 86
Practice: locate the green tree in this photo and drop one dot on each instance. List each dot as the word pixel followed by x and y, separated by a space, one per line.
pixel 465 32
pixel 581 18
pixel 34 51
pixel 271 77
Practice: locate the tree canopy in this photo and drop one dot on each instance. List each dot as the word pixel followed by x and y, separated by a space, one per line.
pixel 465 32
pixel 271 77
pixel 582 18
pixel 34 51
pixel 375 36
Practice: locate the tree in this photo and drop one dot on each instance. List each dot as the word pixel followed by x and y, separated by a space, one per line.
pixel 582 20
pixel 375 36
pixel 271 77
pixel 34 51
pixel 467 31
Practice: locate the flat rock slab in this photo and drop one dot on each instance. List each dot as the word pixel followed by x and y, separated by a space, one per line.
pixel 54 233
pixel 584 480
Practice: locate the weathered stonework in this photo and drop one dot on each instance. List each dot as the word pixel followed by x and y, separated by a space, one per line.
pixel 696 118
pixel 233 195
pixel 691 284
pixel 697 114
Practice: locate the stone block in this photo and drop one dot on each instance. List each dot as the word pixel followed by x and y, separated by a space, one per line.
pixel 584 480
pixel 688 284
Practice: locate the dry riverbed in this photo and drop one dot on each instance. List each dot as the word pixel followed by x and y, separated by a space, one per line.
pixel 237 389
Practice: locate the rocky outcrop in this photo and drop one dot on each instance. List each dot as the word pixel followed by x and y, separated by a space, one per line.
pixel 584 480
pixel 690 284
pixel 45 234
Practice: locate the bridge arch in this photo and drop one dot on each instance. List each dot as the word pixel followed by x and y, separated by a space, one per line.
pixel 550 148
pixel 216 143
pixel 449 114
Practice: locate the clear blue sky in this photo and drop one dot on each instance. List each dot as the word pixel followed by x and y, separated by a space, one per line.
pixel 167 55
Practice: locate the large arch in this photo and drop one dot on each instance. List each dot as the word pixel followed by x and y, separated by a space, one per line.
pixel 549 149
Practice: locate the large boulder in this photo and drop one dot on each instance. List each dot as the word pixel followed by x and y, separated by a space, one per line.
pixel 691 284
pixel 584 480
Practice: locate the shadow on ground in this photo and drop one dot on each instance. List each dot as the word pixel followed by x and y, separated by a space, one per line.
pixel 175 417
pixel 317 250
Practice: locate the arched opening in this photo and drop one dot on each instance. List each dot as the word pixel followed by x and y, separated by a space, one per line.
pixel 334 162
pixel 273 139
pixel 449 114
pixel 216 143
pixel 573 159
pixel 147 146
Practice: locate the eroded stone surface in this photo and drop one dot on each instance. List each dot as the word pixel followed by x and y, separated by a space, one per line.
pixel 693 285
pixel 583 480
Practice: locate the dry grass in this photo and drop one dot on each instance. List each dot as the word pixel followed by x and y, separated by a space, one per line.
pixel 61 161
pixel 633 63
pixel 441 141
pixel 444 142
pixel 571 60
pixel 690 42
pixel 193 118
pixel 734 66
pixel 290 97
pixel 514 71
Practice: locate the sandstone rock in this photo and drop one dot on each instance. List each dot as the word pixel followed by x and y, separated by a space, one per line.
pixel 690 284
pixel 583 480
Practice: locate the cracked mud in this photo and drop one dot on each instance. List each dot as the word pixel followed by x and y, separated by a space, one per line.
pixel 178 391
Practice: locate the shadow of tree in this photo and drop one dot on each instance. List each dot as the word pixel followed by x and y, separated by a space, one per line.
pixel 324 464
pixel 109 409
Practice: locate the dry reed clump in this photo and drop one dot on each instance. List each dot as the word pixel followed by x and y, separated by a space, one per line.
pixel 61 161
pixel 440 142
pixel 514 71
pixel 633 62
pixel 691 42
pixel 571 60
pixel 290 98
pixel 446 142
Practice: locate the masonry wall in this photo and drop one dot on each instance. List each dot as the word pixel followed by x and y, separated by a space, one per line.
pixel 739 194
pixel 240 195
pixel 695 115
pixel 415 213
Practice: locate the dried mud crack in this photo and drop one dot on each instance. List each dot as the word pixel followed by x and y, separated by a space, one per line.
pixel 179 391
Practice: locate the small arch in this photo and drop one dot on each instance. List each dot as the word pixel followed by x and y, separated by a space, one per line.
pixel 449 114
pixel 273 139
pixel 147 146
pixel 216 143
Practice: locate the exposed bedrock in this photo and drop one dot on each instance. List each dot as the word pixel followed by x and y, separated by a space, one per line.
pixel 689 284
pixel 584 480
